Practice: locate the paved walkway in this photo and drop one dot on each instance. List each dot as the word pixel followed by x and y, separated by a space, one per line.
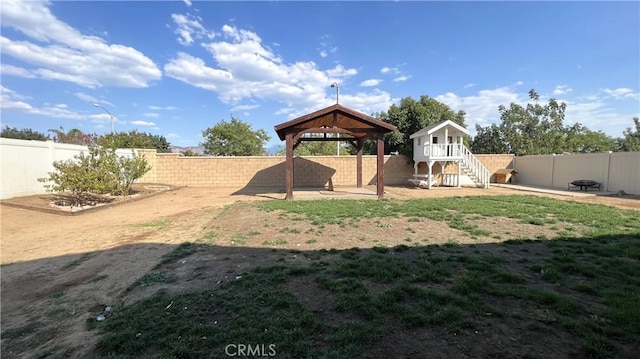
pixel 553 190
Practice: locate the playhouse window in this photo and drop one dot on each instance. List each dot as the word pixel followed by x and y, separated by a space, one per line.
pixel 419 141
pixel 435 140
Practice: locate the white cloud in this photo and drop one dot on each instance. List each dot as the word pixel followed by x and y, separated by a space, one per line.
pixel 190 27
pixel 57 112
pixel 193 71
pixel 88 98
pixel 244 107
pixel 325 48
pixel 601 113
pixel 469 85
pixel 85 97
pixel 187 2
pixel 390 70
pixel 68 55
pixel 368 102
pixel 102 118
pixel 11 100
pixel 242 67
pixel 585 112
pixel 365 102
pixel 172 135
pixel 340 71
pixel 370 82
pixel 621 93
pixel 401 78
pixel 482 108
pixel 592 111
pixel 11 70
pixel 285 111
pixel 562 90
pixel 151 115
pixel 395 71
pixel 159 108
pixel 142 123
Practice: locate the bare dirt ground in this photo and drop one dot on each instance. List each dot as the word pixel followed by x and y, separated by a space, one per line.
pixel 56 270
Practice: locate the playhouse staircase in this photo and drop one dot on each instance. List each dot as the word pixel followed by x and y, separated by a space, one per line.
pixel 473 168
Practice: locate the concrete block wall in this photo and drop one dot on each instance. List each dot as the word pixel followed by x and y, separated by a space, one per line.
pixel 496 162
pixel 150 156
pixel 264 171
pixel 269 171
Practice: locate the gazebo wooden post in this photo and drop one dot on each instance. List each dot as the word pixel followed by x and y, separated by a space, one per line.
pixel 380 166
pixel 335 119
pixel 289 166
pixel 359 145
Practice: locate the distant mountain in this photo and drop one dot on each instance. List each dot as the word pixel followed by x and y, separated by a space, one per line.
pixel 271 150
pixel 196 149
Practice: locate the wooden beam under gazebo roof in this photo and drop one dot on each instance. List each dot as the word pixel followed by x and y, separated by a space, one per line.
pixel 354 127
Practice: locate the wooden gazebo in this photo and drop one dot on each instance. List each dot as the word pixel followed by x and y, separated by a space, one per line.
pixel 354 127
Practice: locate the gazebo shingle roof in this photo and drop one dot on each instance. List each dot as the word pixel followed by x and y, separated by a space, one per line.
pixel 360 124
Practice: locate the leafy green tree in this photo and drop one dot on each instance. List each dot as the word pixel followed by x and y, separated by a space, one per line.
pixel 190 153
pixel 135 139
pixel 410 117
pixel 489 139
pixel 580 139
pixel 316 148
pixel 538 129
pixel 234 138
pixel 630 141
pixel 534 129
pixel 23 134
pixel 73 136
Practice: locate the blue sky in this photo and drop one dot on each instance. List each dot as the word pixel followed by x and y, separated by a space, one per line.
pixel 176 68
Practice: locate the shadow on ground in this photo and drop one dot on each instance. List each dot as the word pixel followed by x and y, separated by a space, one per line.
pixel 306 173
pixel 567 297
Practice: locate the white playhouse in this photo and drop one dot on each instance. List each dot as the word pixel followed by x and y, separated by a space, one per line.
pixel 443 143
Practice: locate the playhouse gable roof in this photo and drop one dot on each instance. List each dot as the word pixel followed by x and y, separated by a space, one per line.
pixel 437 126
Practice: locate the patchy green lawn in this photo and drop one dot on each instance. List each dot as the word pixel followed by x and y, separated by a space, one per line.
pixel 575 293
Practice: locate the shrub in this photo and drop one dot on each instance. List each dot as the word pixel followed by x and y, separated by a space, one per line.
pixel 100 171
pixel 130 169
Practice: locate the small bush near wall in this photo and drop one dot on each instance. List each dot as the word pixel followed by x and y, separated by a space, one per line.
pixel 101 171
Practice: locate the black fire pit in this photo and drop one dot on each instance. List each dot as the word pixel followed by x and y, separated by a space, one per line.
pixel 584 184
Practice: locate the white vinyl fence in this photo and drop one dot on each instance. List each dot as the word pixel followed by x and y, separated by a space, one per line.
pixel 22 162
pixel 616 171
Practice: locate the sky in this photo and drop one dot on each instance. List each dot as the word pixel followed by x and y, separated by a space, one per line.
pixel 176 68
